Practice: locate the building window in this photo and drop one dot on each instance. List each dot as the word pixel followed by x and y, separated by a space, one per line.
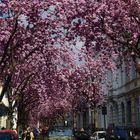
pixel 129 112
pixel 123 112
pixel 84 119
pixel 111 114
pixel 116 114
pixel 121 73
pixel 136 109
pixel 133 72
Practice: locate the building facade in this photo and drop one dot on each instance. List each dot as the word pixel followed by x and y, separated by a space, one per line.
pixel 3 108
pixel 91 118
pixel 124 98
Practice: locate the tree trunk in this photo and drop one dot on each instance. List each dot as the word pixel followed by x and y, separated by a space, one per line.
pixel 10 122
pixel 5 86
pixel 22 118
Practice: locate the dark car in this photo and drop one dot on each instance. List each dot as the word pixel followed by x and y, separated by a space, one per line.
pixel 81 135
pixel 8 135
pixel 121 132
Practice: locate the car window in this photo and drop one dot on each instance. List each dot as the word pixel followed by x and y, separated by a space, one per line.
pixel 101 135
pixel 5 136
pixel 94 134
pixel 84 134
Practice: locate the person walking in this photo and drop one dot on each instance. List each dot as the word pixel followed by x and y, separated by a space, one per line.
pixel 28 135
pixel 36 133
pixel 43 134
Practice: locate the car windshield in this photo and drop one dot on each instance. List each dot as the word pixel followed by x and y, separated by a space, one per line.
pixel 5 136
pixel 61 132
pixel 101 135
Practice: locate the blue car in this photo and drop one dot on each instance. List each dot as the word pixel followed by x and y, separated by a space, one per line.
pixel 121 132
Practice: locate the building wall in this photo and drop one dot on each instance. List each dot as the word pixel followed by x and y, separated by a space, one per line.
pixel 123 102
pixel 90 118
pixel 126 111
pixel 124 99
pixel 3 119
pixel 101 120
pixel 3 122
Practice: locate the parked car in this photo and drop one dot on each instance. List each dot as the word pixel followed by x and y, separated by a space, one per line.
pixel 61 134
pixel 81 135
pixel 121 132
pixel 8 135
pixel 98 135
pixel 136 133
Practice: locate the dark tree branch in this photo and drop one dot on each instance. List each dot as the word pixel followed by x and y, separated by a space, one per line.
pixel 21 95
pixel 29 54
pixel 6 85
pixel 9 42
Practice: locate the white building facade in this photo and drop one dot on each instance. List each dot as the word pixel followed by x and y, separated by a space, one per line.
pixel 3 104
pixel 124 98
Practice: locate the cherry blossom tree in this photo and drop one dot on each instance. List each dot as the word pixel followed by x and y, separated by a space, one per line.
pixel 32 45
pixel 38 61
pixel 109 27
